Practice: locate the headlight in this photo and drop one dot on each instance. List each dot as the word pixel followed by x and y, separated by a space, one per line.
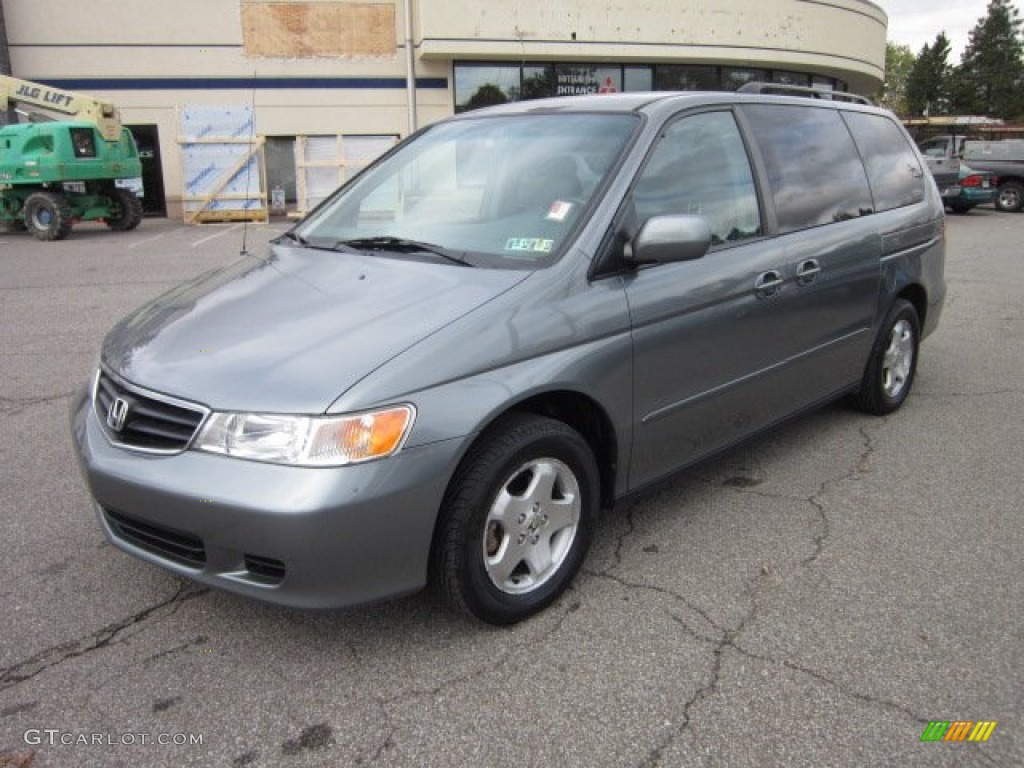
pixel 310 441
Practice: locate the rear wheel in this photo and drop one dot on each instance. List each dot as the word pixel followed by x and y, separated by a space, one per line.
pixel 889 374
pixel 1011 196
pixel 127 210
pixel 47 216
pixel 517 520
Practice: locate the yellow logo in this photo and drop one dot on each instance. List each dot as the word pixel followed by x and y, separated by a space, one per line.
pixel 958 730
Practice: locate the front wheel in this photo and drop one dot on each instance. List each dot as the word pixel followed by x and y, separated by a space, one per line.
pixel 47 216
pixel 126 213
pixel 517 520
pixel 889 374
pixel 1010 197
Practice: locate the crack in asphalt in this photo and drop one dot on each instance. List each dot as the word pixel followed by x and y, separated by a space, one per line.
pixel 388 742
pixel 51 657
pixel 706 691
pixel 515 648
pixel 384 703
pixel 197 640
pixel 65 286
pixel 630 528
pixel 630 585
pixel 988 393
pixel 724 637
pixel 14 405
pixel 859 468
pixel 853 694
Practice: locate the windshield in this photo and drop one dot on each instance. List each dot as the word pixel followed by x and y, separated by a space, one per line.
pixel 501 191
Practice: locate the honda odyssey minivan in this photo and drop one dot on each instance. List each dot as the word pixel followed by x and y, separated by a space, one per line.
pixel 516 317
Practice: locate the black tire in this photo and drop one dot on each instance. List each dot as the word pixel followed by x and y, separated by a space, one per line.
pixel 126 213
pixel 889 374
pixel 1010 197
pixel 961 207
pixel 47 216
pixel 523 473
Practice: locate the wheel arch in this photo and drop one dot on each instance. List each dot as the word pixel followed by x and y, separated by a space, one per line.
pixel 578 411
pixel 587 417
pixel 1010 180
pixel 447 573
pixel 915 294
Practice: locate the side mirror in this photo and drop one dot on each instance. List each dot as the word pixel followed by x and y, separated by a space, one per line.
pixel 664 239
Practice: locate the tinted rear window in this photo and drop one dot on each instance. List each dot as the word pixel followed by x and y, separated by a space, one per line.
pixel 894 172
pixel 814 170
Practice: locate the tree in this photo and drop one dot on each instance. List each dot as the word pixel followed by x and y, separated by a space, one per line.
pixel 927 83
pixel 486 95
pixel 899 63
pixel 990 77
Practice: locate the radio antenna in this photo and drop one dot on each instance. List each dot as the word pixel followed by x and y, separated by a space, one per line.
pixel 248 165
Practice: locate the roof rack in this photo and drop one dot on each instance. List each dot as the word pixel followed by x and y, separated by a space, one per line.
pixel 802 90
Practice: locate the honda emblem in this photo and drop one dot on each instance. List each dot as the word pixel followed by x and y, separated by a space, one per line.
pixel 117 413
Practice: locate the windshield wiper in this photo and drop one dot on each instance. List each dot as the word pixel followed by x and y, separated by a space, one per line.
pixel 402 245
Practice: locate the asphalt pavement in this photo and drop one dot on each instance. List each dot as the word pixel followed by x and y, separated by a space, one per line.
pixel 815 597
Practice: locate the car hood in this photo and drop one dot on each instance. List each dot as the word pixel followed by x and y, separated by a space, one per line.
pixel 291 332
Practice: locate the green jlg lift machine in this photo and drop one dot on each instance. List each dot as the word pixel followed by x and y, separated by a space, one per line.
pixel 54 172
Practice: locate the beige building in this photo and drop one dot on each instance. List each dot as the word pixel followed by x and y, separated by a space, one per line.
pixel 327 80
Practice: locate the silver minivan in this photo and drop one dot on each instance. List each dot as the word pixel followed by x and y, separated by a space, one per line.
pixel 518 316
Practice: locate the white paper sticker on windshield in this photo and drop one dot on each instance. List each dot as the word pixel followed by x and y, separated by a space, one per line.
pixel 531 244
pixel 559 210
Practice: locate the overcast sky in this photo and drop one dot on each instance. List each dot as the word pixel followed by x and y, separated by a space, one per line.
pixel 917 22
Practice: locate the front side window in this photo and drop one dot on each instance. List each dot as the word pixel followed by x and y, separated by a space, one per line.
pixel 700 167
pixel 895 175
pixel 503 191
pixel 814 170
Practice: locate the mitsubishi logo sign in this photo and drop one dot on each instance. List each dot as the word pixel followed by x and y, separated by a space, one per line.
pixel 117 413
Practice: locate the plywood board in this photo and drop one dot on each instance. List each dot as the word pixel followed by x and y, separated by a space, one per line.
pixel 308 30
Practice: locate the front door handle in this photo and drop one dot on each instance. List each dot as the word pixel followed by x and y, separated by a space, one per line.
pixel 768 284
pixel 807 272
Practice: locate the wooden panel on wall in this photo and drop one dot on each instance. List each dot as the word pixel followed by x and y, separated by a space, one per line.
pixel 314 29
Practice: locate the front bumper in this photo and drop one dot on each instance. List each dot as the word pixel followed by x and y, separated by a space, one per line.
pixel 298 536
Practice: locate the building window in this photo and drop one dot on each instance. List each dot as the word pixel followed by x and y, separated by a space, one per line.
pixel 481 85
pixel 539 82
pixel 733 78
pixel 577 79
pixel 637 79
pixel 790 78
pixel 687 77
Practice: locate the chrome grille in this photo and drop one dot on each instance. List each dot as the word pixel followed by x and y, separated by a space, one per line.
pixel 151 422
